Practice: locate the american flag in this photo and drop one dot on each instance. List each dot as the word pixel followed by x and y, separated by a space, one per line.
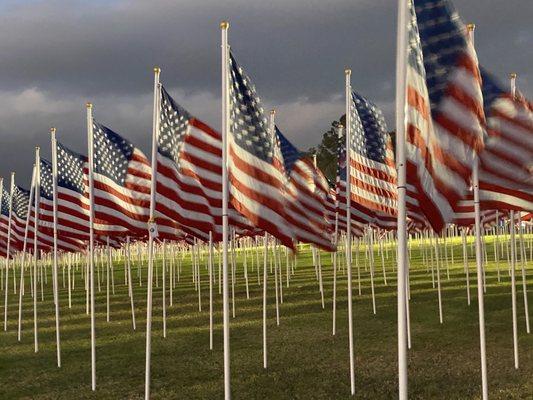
pixel 4 221
pixel 506 162
pixel 72 198
pixel 361 191
pixel 372 168
pixel 444 110
pixel 46 217
pixel 358 218
pixel 189 173
pixel 308 191
pixel 122 184
pixel 256 177
pixel 23 202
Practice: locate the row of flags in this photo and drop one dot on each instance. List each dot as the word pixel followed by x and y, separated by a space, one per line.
pixel 456 116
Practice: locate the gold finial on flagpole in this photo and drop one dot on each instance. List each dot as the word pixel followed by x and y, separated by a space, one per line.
pixel 89 104
pixel 52 130
pixel 348 71
pixel 471 27
pixel 513 75
pixel 157 70
pixel 272 112
pixel 224 25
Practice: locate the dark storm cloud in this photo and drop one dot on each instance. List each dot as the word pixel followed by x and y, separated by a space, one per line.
pixel 58 54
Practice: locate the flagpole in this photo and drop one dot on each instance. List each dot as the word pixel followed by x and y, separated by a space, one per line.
pixel 348 93
pixel 90 148
pixel 24 248
pixel 11 190
pixel 401 72
pixel 210 265
pixel 479 262
pixel 512 232
pixel 54 204
pixel 151 232
pixel 265 279
pixel 224 26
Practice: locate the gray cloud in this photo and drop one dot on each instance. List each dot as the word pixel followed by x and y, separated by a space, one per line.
pixel 58 54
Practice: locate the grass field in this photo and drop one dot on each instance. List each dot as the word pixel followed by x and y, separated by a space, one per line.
pixel 305 360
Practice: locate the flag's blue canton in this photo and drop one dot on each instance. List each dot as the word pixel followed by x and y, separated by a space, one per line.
pixel 357 133
pixel 414 49
pixel 373 144
pixel 5 203
pixel 289 152
pixel 247 120
pixel 491 90
pixel 21 202
pixel 174 123
pixel 341 161
pixel 112 154
pixel 70 169
pixel 46 179
pixel 442 34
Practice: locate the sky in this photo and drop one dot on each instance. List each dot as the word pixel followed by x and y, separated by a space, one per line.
pixel 56 55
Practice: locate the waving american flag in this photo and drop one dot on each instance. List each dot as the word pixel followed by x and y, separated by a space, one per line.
pixel 308 191
pixel 444 110
pixel 189 173
pixel 506 163
pixel 257 182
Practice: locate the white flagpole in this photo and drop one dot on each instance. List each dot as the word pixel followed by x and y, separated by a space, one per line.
pixel 36 193
pixel 152 232
pixel 513 259
pixel 479 263
pixel 336 239
pixel 130 283
pixel 401 72
pixel 225 131
pixel 8 246
pixel 210 265
pixel 90 148
pixel 164 287
pixel 265 278
pixel 108 250
pixel 348 93
pixel 54 271
pixel 23 260
pixel 24 247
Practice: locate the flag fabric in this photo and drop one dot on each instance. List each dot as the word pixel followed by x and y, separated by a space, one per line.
pixel 189 173
pixel 122 185
pixel 444 112
pixel 360 215
pixel 72 197
pixel 23 204
pixel 4 222
pixel 256 176
pixel 372 169
pixel 121 181
pixel 308 192
pixel 506 163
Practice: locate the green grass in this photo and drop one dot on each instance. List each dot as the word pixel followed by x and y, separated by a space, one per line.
pixel 305 360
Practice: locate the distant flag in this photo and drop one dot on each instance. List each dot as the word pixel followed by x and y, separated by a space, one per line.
pixel 4 221
pixel 256 178
pixel 506 163
pixel 372 170
pixel 121 181
pixel 444 110
pixel 72 198
pixel 358 219
pixel 308 192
